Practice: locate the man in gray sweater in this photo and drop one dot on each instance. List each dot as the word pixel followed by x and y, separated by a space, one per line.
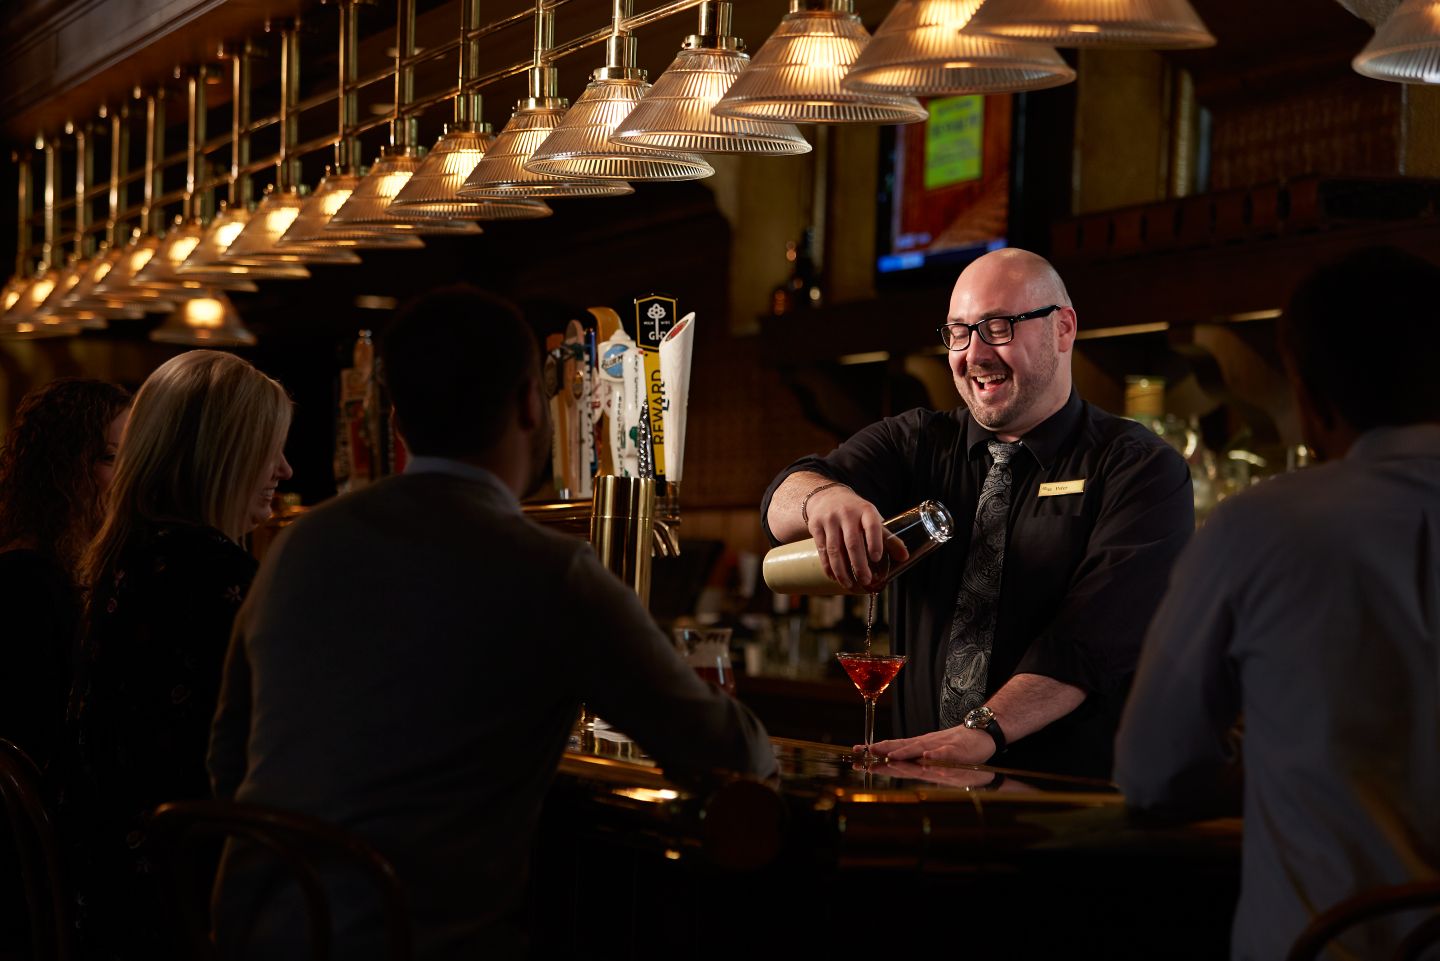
pixel 411 658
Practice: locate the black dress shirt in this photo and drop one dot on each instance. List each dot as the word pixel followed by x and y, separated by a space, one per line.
pixel 1083 571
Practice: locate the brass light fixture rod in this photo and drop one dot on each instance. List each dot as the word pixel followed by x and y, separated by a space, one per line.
pixel 347 147
pixel 287 165
pixel 239 126
pixel 84 173
pixel 151 213
pixel 119 159
pixel 52 188
pixel 25 209
pixel 467 102
pixel 404 128
pixel 195 136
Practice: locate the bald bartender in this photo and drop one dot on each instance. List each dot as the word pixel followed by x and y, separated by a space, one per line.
pixel 1024 633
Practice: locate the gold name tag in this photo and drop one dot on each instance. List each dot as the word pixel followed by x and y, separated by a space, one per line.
pixel 1063 487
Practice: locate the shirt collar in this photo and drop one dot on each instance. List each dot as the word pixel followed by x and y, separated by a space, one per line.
pixel 1043 442
pixel 1402 440
pixel 471 472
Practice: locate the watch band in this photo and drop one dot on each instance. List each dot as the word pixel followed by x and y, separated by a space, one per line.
pixel 992 728
pixel 983 719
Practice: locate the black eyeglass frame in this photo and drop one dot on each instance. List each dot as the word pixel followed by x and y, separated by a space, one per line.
pixel 978 327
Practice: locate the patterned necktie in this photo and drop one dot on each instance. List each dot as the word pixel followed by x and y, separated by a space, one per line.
pixel 972 634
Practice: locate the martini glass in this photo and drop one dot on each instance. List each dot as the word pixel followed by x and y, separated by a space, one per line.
pixel 871 674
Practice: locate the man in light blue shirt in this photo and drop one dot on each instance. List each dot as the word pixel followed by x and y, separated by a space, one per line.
pixel 1309 606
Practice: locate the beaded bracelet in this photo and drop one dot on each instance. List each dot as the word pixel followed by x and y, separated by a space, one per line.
pixel 804 504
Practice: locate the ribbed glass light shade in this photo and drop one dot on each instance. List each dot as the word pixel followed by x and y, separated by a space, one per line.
pixel 502 173
pixel 369 204
pixel 796 76
pixel 257 244
pixel 117 284
pixel 10 293
pixel 160 273
pixel 675 114
pixel 580 146
pixel 922 49
pixel 82 297
pixel 208 257
pixel 434 190
pixel 204 322
pixel 1157 24
pixel 311 229
pixel 52 310
pixel 32 295
pixel 1406 47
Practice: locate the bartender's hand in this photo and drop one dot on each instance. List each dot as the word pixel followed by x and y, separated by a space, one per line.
pixel 961 744
pixel 851 537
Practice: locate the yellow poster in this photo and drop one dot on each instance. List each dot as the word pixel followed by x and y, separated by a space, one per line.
pixel 954 137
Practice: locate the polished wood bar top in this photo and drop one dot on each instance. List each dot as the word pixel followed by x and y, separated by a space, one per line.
pixel 890 814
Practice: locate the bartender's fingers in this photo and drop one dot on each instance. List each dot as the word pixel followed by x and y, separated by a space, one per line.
pixel 907 748
pixel 835 556
pixel 875 535
pixel 968 751
pixel 855 548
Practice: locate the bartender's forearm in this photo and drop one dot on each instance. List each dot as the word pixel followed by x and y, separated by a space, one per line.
pixel 1028 702
pixel 784 515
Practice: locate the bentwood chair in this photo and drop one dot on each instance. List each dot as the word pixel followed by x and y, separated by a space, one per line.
pixel 1368 905
pixel 303 846
pixel 36 850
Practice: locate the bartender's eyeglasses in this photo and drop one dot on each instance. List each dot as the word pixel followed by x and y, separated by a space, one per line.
pixel 993 330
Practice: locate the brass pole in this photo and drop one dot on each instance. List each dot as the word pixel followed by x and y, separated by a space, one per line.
pixel 404 129
pixel 544 78
pixel 151 211
pixel 119 159
pixel 25 207
pixel 240 192
pixel 347 146
pixel 84 174
pixel 194 137
pixel 287 174
pixel 467 102
pixel 52 189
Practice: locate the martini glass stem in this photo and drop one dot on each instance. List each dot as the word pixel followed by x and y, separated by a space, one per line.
pixel 869 727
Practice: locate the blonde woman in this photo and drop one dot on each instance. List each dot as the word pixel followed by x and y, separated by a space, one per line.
pixel 197 467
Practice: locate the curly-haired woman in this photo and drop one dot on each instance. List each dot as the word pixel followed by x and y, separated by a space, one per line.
pixel 55 467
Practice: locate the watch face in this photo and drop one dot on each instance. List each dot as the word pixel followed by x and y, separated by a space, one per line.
pixel 979 718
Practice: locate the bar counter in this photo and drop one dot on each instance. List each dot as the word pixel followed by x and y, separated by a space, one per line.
pixel 837 858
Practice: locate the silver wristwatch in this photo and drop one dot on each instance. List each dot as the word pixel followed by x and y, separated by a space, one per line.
pixel 983 719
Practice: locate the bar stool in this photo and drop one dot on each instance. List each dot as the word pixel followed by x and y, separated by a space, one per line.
pixel 37 852
pixel 300 843
pixel 1366 906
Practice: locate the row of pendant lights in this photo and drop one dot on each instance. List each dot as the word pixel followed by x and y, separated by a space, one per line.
pixel 819 66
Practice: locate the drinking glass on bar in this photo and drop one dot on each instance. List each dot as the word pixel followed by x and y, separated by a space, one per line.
pixel 707 650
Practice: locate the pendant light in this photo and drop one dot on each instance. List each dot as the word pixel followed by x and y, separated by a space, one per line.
pixel 1406 47
pixel 923 49
pixel 796 76
pixel 256 244
pixel 340 180
pixel 1151 24
pixel 580 146
pixel 161 273
pixel 676 113
pixel 369 205
pixel 502 173
pixel 312 228
pixel 116 284
pixel 204 322
pixel 434 189
pixel 207 261
pixel 82 298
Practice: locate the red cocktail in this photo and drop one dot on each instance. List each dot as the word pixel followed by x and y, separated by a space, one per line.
pixel 871 674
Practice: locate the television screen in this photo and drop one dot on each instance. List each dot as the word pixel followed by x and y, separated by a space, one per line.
pixel 949 184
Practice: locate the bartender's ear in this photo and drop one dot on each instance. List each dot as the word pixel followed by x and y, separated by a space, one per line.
pixel 530 403
pixel 1065 327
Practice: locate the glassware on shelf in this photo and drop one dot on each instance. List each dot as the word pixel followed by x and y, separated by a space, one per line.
pixel 707 650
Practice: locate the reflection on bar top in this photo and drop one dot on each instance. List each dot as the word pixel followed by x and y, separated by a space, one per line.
pixel 807 767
